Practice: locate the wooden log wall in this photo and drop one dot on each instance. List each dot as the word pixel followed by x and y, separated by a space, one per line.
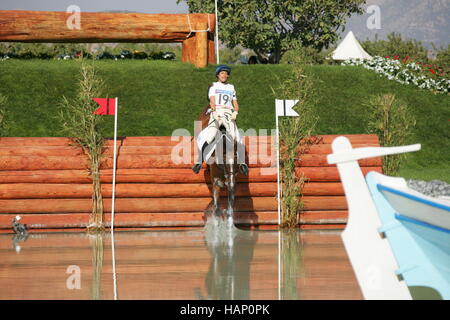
pixel 46 181
pixel 49 26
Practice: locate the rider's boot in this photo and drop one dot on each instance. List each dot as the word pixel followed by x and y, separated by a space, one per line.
pixel 196 168
pixel 243 167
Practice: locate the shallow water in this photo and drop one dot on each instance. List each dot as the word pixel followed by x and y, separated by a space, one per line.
pixel 210 263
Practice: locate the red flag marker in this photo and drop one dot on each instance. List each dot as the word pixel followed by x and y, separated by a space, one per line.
pixel 107 106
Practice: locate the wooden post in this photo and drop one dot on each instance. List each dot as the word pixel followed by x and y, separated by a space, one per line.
pixel 201 42
pixel 212 59
pixel 188 50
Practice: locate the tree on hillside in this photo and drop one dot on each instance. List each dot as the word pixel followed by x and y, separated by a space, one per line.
pixel 271 27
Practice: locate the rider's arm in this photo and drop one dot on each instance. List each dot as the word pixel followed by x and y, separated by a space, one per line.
pixel 212 97
pixel 212 103
pixel 235 105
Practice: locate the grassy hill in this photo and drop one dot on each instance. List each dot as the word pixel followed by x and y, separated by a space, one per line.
pixel 158 97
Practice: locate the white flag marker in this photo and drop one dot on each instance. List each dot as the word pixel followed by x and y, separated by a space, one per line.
pixel 283 108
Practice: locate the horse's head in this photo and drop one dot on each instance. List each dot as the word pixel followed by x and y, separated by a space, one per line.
pixel 223 130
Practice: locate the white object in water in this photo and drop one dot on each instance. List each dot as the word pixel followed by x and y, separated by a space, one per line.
pixel 370 255
pixel 412 204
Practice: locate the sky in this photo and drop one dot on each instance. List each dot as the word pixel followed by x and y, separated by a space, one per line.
pixel 144 6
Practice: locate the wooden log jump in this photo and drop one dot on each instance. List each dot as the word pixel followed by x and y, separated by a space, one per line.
pixel 194 31
pixel 46 181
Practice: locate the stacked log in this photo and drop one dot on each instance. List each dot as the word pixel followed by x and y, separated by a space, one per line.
pixel 47 182
pixel 195 31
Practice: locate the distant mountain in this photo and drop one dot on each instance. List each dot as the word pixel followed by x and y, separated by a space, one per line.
pixel 424 20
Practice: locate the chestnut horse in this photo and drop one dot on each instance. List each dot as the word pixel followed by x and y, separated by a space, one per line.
pixel 222 173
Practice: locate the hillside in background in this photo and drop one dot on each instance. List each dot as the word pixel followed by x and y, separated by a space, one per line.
pixel 424 20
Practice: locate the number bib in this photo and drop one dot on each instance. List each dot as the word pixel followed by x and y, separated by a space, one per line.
pixel 224 94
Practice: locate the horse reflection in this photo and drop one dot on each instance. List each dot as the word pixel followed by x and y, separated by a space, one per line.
pixel 231 251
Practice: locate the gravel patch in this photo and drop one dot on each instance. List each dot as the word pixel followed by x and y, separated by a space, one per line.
pixel 434 188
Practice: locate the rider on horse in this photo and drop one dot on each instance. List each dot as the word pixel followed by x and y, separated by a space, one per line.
pixel 224 110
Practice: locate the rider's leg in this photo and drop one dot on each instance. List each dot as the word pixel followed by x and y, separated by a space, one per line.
pixel 210 133
pixel 198 165
pixel 211 130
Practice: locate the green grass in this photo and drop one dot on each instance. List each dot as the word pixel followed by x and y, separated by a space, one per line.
pixel 157 97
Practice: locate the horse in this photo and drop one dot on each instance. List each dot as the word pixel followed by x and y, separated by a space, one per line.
pixel 223 174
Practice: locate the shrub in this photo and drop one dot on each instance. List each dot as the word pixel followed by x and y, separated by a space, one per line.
pixel 390 119
pixel 308 55
pixel 395 45
pixel 230 56
pixel 443 59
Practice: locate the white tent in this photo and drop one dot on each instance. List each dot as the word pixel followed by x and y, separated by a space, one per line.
pixel 350 48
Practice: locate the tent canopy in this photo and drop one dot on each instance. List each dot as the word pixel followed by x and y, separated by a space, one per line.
pixel 350 48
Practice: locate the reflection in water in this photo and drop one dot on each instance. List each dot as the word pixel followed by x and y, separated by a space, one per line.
pixel 17 238
pixel 290 263
pixel 231 251
pixel 217 262
pixel 96 240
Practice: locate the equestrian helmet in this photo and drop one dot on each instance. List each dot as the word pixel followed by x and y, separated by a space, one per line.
pixel 223 67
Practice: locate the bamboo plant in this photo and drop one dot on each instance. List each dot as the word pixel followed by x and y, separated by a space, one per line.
pixel 96 241
pixel 295 136
pixel 83 126
pixel 391 120
pixel 292 263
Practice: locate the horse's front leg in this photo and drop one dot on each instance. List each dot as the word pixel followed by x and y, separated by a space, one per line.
pixel 216 195
pixel 231 185
pixel 217 184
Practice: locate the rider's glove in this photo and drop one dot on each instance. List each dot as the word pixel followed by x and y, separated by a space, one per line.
pixel 214 115
pixel 234 115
